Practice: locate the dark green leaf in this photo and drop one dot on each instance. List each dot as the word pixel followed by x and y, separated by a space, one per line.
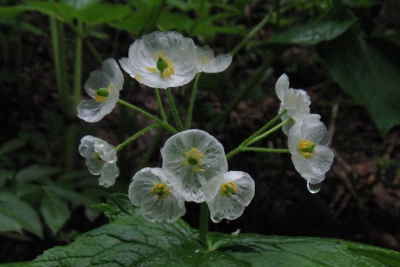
pixel 11 146
pixel 367 73
pixel 35 173
pixel 130 240
pixel 8 222
pixel 26 216
pixel 55 212
pixel 103 13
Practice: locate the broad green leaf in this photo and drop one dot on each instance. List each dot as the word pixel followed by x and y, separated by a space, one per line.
pixel 130 240
pixel 103 13
pixel 35 173
pixel 26 216
pixel 366 73
pixel 61 12
pixel 314 32
pixel 8 222
pixel 16 264
pixel 11 146
pixel 55 212
pixel 11 11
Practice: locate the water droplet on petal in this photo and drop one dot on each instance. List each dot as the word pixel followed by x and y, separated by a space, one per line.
pixel 314 188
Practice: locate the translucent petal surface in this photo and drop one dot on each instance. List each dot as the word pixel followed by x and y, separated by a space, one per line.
pixel 184 177
pixel 141 63
pixel 232 207
pixel 110 78
pixel 152 207
pixel 207 62
pixel 109 173
pixel 281 86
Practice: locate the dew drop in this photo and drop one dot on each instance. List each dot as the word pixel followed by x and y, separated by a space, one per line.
pixel 314 188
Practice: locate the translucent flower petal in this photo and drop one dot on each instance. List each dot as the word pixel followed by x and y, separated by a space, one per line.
pixel 179 52
pixel 313 166
pixel 232 206
pixel 207 62
pixel 153 207
pixel 109 173
pixel 281 86
pixel 109 78
pixel 100 158
pixel 191 178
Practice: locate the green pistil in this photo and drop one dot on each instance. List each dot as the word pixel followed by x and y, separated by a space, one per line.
pixel 192 161
pixel 161 65
pixel 102 92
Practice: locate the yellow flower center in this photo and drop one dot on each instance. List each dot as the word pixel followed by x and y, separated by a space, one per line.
pixel 164 65
pixel 161 190
pixel 307 148
pixel 193 158
pixel 227 189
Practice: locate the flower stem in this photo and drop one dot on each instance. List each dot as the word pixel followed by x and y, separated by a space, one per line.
pixel 191 103
pixel 175 113
pixel 267 150
pixel 270 131
pixel 203 223
pixel 160 105
pixel 244 146
pixel 136 135
pixel 161 123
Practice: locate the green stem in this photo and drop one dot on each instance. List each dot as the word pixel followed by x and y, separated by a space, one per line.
pixel 191 103
pixel 160 105
pixel 151 148
pixel 174 111
pixel 77 31
pixel 163 124
pixel 244 146
pixel 203 223
pixel 242 92
pixel 136 135
pixel 256 29
pixel 262 129
pixel 267 150
pixel 60 64
pixel 269 132
pixel 78 67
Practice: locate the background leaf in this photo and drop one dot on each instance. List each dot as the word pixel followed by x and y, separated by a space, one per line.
pixel 367 74
pixel 26 216
pixel 55 212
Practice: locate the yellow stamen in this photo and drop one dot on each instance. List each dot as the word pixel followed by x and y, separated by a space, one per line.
pixel 227 189
pixel 307 148
pixel 164 65
pixel 161 190
pixel 192 158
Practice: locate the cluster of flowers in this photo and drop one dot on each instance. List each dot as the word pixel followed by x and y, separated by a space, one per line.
pixel 194 164
pixel 307 135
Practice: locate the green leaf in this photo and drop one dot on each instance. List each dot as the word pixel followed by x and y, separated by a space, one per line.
pixel 314 32
pixel 8 222
pixel 367 73
pixel 35 173
pixel 130 240
pixel 103 13
pixel 26 216
pixel 55 212
pixel 11 146
pixel 11 11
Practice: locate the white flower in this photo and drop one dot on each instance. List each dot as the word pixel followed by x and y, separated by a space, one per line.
pixel 192 159
pixel 236 190
pixel 101 159
pixel 161 60
pixel 103 86
pixel 156 196
pixel 307 144
pixel 207 62
pixel 295 101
